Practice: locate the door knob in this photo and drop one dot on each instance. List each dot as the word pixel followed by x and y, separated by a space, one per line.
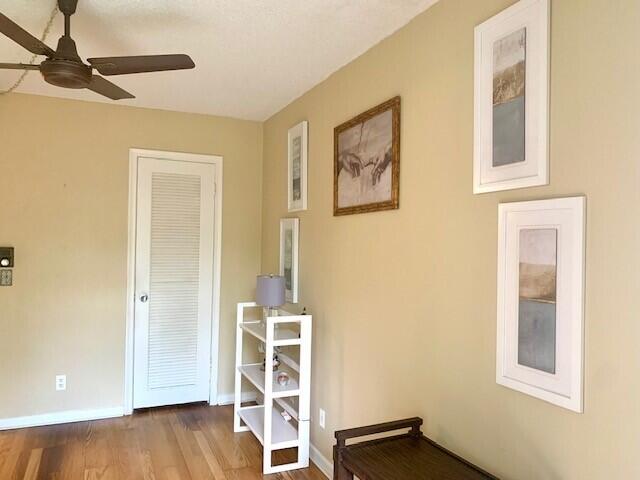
pixel 144 297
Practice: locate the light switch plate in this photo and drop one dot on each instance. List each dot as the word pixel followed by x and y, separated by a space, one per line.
pixel 6 257
pixel 6 278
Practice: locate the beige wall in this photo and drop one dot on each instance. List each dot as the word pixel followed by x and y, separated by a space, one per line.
pixel 63 203
pixel 404 301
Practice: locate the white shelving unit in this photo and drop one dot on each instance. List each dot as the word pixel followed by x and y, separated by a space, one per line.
pixel 265 420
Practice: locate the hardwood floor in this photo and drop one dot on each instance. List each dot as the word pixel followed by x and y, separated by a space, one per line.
pixel 191 442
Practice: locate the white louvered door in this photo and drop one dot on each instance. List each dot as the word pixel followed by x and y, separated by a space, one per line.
pixel 174 282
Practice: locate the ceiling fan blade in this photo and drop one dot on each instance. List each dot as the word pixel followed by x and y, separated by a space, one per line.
pixel 107 89
pixel 19 35
pixel 140 64
pixel 18 66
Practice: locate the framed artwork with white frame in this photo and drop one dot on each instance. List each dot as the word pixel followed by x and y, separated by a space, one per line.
pixel 540 299
pixel 511 99
pixel 289 236
pixel 297 167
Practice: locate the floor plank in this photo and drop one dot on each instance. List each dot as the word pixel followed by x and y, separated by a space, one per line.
pixel 34 464
pixel 191 442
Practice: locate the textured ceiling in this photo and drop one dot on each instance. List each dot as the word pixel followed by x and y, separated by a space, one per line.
pixel 252 57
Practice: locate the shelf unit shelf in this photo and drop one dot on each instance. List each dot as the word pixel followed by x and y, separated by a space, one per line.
pixel 284 434
pixel 289 361
pixel 256 376
pixel 283 337
pixel 266 420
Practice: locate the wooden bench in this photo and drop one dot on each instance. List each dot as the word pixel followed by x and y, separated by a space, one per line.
pixel 410 456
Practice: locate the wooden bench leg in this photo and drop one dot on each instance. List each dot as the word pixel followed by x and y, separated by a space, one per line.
pixel 339 472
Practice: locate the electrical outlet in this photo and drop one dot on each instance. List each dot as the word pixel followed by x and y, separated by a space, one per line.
pixel 61 382
pixel 321 418
pixel 6 278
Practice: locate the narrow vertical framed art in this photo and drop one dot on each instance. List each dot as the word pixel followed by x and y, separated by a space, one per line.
pixel 541 251
pixel 289 238
pixel 511 99
pixel 298 137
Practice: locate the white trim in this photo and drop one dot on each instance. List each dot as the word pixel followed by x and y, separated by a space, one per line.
pixel 229 398
pixel 322 462
pixel 131 276
pixel 56 418
pixel 217 282
pixel 217 161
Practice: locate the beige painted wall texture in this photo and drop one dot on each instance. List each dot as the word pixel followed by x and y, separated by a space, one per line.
pixel 64 168
pixel 404 302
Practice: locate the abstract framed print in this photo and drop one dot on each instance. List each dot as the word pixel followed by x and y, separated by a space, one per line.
pixel 297 167
pixel 289 234
pixel 540 299
pixel 511 99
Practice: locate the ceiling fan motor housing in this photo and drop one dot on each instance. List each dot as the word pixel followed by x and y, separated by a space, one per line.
pixel 66 73
pixel 65 68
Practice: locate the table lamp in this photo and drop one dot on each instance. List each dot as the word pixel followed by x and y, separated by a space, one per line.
pixel 270 293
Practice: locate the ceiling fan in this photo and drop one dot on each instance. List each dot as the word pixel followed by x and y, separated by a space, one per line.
pixel 64 67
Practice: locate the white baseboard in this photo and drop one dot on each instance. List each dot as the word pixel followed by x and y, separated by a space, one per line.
pixel 321 461
pixel 69 416
pixel 229 398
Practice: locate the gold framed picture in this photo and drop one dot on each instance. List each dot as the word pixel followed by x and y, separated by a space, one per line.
pixel 366 166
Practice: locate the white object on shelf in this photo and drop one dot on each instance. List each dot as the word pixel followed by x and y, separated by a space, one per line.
pixel 287 405
pixel 266 421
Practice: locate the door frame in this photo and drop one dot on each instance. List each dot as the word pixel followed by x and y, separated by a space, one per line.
pixel 134 155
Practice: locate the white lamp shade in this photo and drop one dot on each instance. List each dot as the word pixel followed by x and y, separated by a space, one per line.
pixel 270 291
